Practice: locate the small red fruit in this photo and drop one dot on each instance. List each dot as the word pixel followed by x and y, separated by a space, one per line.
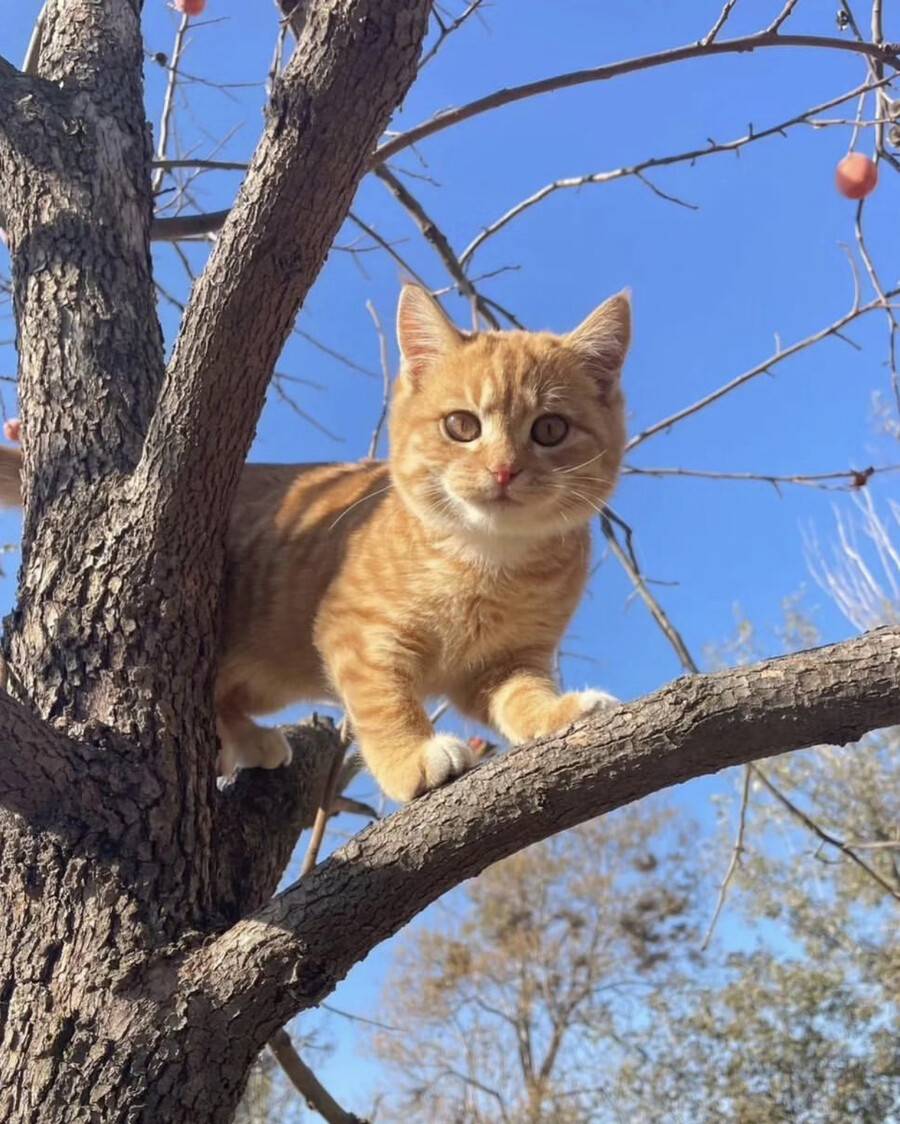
pixel 189 7
pixel 12 428
pixel 856 176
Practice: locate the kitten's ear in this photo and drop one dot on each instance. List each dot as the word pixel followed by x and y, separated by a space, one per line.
pixel 602 340
pixel 423 331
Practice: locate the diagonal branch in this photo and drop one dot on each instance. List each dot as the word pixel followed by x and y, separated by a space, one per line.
pixel 883 52
pixel 764 367
pixel 290 954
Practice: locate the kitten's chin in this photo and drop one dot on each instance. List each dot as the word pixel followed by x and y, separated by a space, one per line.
pixel 506 519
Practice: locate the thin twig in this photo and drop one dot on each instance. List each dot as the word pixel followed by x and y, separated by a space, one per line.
pixel 32 52
pixel 165 120
pixel 761 368
pixel 719 24
pixel 445 30
pixel 848 480
pixel 388 248
pixel 782 17
pixel 323 812
pixel 689 156
pixel 339 356
pixel 386 377
pixel 875 281
pixel 825 836
pixel 438 240
pixel 736 854
pixel 306 1083
pixel 206 165
pixel 628 562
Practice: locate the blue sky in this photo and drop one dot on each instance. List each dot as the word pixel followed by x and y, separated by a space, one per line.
pixel 760 256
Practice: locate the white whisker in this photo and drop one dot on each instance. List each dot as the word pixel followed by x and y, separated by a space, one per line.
pixel 575 467
pixel 363 499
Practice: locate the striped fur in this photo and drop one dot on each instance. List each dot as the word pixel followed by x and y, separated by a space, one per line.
pixel 379 585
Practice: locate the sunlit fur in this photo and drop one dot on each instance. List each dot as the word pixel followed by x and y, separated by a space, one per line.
pixel 379 585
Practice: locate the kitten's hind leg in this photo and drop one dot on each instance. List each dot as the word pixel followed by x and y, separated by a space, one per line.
pixel 243 743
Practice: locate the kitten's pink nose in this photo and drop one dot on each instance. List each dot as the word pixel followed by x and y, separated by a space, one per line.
pixel 504 473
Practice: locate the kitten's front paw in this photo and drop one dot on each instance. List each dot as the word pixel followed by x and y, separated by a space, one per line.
pixel 445 757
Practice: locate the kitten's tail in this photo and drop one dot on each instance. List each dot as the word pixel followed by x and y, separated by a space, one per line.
pixel 10 484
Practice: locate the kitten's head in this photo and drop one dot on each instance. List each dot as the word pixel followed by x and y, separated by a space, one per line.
pixel 509 435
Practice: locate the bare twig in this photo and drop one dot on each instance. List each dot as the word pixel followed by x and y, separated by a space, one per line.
pixel 848 480
pixel 748 43
pixel 445 30
pixel 165 121
pixel 435 236
pixel 719 24
pixel 875 281
pixel 32 52
pixel 825 836
pixel 289 400
pixel 339 356
pixel 386 376
pixel 736 854
pixel 389 249
pixel 762 368
pixel 782 17
pixel 324 811
pixel 206 165
pixel 628 562
pixel 306 1083
pixel 689 156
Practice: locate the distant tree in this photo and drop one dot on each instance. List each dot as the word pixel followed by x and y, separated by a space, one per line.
pixel 512 1011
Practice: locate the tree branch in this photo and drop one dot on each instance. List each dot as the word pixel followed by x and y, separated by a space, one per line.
pixel 885 53
pixel 296 194
pixel 38 765
pixel 306 1083
pixel 763 368
pixel 291 953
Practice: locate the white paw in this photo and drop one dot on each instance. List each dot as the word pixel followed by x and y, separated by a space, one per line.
pixel 591 701
pixel 265 748
pixel 445 757
pixel 273 749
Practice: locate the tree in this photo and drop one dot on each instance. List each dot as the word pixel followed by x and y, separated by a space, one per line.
pixel 144 962
pixel 512 1012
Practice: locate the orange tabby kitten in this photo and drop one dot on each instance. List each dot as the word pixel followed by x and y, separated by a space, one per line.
pixel 451 570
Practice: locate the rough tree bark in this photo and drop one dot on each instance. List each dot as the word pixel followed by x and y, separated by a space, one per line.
pixel 142 964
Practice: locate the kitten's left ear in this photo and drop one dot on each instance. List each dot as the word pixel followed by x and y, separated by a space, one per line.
pixel 602 340
pixel 424 332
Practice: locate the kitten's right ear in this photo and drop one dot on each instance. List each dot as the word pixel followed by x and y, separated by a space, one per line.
pixel 424 332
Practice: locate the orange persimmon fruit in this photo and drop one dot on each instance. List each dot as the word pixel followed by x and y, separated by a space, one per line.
pixel 856 176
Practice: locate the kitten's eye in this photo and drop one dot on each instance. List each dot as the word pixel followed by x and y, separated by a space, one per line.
pixel 462 426
pixel 549 430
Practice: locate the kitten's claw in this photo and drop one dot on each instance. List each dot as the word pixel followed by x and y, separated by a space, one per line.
pixel 445 757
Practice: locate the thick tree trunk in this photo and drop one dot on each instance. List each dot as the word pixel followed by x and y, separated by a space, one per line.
pixel 117 853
